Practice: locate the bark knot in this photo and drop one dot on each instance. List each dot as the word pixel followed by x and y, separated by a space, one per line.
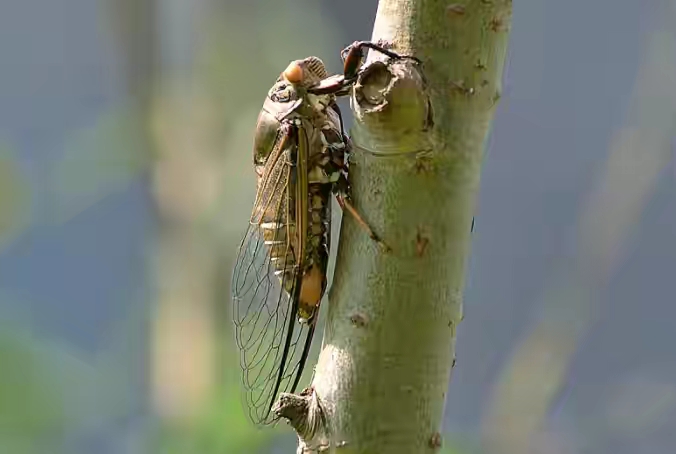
pixel 435 441
pixel 304 412
pixel 421 243
pixel 359 319
pixel 455 10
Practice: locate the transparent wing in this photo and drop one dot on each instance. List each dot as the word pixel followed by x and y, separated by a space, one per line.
pixel 265 288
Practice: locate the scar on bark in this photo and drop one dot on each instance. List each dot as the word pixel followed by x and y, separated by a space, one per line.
pixel 359 319
pixel 495 24
pixel 435 441
pixel 460 87
pixel 429 118
pixel 304 412
pixel 421 242
pixel 423 163
pixel 455 10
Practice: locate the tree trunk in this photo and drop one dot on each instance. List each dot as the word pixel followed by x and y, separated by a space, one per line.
pixel 419 134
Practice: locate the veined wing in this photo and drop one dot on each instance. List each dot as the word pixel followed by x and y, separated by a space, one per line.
pixel 266 279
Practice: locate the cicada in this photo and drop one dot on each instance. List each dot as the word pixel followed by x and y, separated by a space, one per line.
pixel 280 275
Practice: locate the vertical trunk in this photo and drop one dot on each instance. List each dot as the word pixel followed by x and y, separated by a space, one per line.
pixel 389 343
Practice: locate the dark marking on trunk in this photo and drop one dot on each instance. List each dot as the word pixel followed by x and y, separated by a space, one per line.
pixel 429 118
pixel 421 243
pixel 423 163
pixel 359 319
pixel 435 441
pixel 455 10
pixel 460 87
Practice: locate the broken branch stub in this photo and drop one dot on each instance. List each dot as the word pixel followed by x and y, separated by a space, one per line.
pixel 393 113
pixel 305 414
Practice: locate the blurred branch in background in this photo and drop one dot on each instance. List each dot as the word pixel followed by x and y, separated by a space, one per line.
pixel 215 62
pixel 49 397
pixel 32 409
pixel 185 183
pixel 14 196
pixel 638 154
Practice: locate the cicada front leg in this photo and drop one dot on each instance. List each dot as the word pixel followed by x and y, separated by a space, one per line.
pixel 353 57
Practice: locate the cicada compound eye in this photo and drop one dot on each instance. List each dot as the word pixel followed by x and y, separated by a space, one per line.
pixel 294 73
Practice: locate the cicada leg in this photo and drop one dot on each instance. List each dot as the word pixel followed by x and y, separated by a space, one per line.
pixel 342 190
pixel 353 57
pixel 336 85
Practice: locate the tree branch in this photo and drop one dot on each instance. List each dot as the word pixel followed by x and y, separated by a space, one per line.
pixel 389 343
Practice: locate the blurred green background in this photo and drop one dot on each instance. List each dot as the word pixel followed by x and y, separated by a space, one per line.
pixel 125 185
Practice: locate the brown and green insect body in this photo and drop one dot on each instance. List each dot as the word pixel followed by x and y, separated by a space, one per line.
pixel 280 274
pixel 303 131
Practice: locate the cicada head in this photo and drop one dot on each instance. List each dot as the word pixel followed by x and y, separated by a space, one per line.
pixel 287 97
pixel 306 72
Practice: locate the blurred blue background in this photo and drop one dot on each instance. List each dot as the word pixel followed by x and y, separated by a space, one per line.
pixel 125 184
